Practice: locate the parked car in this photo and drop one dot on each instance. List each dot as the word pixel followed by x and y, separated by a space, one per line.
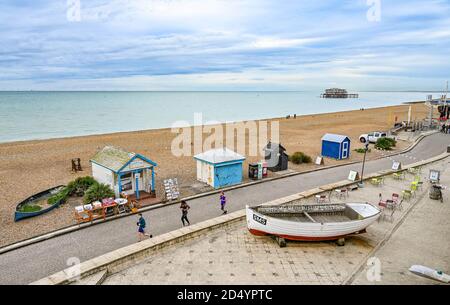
pixel 372 137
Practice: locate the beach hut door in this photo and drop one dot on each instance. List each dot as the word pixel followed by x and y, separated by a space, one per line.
pixel 344 149
pixel 138 185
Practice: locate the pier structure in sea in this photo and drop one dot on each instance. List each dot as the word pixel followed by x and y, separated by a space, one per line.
pixel 338 93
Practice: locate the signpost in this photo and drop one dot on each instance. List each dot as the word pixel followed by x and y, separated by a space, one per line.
pixel 366 148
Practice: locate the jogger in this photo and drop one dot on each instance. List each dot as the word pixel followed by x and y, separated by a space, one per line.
pixel 223 202
pixel 184 211
pixel 141 228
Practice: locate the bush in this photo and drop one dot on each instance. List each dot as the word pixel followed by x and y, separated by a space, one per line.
pixel 97 191
pixel 80 185
pixel 361 150
pixel 299 158
pixel 385 143
pixel 29 208
pixel 62 196
pixel 76 187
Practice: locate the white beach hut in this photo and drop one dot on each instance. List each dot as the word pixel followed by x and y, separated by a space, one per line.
pixel 125 172
pixel 219 167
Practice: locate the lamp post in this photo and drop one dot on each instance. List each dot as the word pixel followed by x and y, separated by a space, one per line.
pixel 366 148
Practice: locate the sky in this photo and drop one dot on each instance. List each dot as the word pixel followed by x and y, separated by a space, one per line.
pixel 224 45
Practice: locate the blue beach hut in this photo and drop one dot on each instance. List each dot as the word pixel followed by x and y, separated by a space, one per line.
pixel 335 146
pixel 219 167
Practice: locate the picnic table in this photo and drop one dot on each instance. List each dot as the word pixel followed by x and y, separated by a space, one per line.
pixel 399 175
pixel 377 181
pixel 341 193
pixel 414 170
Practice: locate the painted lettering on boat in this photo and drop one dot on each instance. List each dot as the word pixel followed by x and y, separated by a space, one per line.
pixel 261 220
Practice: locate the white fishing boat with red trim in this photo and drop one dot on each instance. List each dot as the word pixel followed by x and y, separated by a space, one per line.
pixel 316 222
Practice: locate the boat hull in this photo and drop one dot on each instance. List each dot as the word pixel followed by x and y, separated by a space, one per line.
pixel 260 225
pixel 304 238
pixel 22 215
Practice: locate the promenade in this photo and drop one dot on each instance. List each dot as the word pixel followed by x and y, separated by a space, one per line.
pixel 38 260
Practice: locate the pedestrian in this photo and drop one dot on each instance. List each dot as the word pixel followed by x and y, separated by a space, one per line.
pixel 141 228
pixel 223 202
pixel 184 211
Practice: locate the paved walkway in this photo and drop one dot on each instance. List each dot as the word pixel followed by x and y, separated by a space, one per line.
pixel 423 239
pixel 231 255
pixel 33 262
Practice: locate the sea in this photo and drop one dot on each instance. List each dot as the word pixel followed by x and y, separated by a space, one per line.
pixel 33 115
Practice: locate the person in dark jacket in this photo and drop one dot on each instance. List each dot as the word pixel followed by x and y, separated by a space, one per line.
pixel 141 228
pixel 184 211
pixel 223 202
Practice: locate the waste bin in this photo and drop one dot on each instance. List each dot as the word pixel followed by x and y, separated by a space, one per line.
pixel 253 171
pixel 257 171
pixel 436 192
pixel 448 149
pixel 264 169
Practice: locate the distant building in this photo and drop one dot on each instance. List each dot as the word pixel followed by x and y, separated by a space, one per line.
pixel 338 93
pixel 219 167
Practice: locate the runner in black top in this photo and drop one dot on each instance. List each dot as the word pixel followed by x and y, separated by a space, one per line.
pixel 184 211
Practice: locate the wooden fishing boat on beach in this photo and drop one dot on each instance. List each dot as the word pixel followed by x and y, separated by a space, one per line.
pixel 316 222
pixel 39 199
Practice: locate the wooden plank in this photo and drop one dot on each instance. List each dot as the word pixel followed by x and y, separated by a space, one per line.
pixel 309 216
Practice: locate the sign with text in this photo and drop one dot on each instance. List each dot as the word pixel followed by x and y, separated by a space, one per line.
pixel 171 189
pixel 353 176
pixel 396 165
pixel 319 160
pixel 434 175
pixel 259 219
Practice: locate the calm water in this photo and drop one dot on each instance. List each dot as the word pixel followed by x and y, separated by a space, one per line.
pixel 43 115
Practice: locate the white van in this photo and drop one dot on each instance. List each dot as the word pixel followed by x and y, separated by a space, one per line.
pixel 372 137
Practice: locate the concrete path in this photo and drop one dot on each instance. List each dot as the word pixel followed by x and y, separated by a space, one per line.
pixel 229 254
pixel 36 261
pixel 422 239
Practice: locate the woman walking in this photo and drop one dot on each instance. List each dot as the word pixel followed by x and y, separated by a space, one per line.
pixel 184 211
pixel 223 202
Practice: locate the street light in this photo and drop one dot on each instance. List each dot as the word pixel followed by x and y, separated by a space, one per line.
pixel 366 148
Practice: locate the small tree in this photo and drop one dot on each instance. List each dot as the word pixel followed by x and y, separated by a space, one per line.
pixel 97 191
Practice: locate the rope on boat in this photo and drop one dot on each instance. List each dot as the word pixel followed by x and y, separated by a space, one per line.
pixel 323 208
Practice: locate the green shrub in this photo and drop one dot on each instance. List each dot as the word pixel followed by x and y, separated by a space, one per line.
pixel 29 208
pixel 299 158
pixel 385 143
pixel 76 187
pixel 393 142
pixel 97 191
pixel 361 150
pixel 80 185
pixel 62 196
